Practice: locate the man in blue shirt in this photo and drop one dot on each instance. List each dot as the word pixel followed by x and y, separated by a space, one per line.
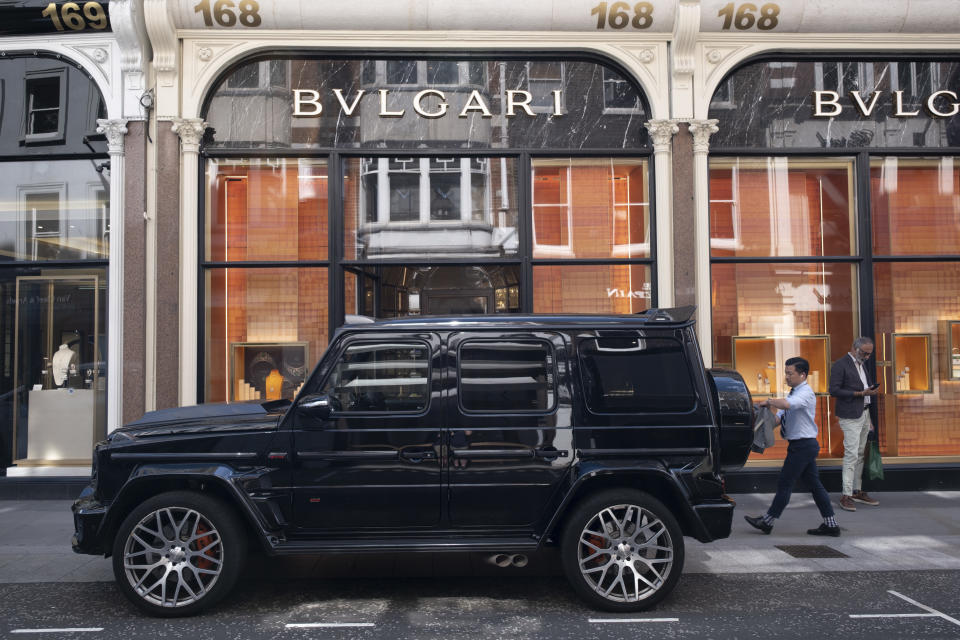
pixel 798 426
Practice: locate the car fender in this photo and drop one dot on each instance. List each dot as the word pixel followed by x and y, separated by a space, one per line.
pixel 148 480
pixel 651 476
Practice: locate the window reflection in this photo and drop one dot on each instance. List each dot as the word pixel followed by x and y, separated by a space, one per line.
pixel 779 206
pixel 418 207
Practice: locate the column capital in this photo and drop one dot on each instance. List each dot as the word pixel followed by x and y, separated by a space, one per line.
pixel 701 130
pixel 115 130
pixel 191 132
pixel 662 132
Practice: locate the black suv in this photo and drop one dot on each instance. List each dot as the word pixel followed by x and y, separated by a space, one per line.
pixel 496 434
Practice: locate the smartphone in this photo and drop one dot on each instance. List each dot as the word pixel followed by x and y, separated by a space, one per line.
pixel 875 385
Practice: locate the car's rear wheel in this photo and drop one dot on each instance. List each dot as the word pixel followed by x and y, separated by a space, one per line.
pixel 622 550
pixel 178 553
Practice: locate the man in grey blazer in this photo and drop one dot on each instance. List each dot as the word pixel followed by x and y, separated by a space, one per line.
pixel 852 384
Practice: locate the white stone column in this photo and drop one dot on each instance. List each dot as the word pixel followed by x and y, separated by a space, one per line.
pixel 190 131
pixel 701 130
pixel 115 130
pixel 662 132
pixel 466 204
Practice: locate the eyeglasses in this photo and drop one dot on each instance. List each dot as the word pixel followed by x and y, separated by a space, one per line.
pixel 864 354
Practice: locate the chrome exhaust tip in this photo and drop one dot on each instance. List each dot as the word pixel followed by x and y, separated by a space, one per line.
pixel 501 560
pixel 518 560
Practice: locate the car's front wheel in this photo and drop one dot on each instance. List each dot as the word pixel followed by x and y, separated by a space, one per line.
pixel 178 553
pixel 622 550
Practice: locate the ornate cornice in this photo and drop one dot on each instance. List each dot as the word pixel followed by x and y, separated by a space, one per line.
pixel 115 130
pixel 701 130
pixel 662 132
pixel 191 132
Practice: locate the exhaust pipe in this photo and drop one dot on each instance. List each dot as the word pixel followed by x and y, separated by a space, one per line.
pixel 518 560
pixel 501 560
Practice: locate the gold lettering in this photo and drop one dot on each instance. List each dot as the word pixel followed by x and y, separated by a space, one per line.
pixel 940 114
pixel 299 101
pixel 383 106
pixel 900 113
pixel 865 109
pixel 418 107
pixel 819 102
pixel 475 103
pixel 556 102
pixel 348 110
pixel 523 104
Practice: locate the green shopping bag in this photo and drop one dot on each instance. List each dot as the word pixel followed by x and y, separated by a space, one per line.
pixel 874 463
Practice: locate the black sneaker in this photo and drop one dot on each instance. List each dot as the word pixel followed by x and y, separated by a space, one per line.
pixel 758 523
pixel 824 530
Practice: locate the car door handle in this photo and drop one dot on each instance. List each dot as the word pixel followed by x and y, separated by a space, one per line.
pixel 418 456
pixel 551 453
pixel 493 453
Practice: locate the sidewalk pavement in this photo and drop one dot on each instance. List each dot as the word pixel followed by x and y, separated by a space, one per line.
pixel 908 531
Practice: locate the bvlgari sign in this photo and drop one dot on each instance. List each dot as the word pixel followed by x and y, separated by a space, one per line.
pixel 309 103
pixel 939 104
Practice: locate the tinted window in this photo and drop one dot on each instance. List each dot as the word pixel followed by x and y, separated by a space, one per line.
pixel 380 377
pixel 506 376
pixel 635 375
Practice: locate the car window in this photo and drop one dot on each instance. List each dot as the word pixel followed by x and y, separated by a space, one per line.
pixel 380 377
pixel 506 376
pixel 635 375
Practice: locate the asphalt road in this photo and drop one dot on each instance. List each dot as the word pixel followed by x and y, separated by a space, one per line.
pixel 848 605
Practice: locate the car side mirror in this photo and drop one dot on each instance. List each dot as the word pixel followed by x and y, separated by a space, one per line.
pixel 317 406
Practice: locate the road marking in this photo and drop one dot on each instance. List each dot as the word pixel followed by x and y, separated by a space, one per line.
pixel 932 613
pixel 926 608
pixel 71 630
pixel 628 620
pixel 895 615
pixel 321 625
pixel 5 509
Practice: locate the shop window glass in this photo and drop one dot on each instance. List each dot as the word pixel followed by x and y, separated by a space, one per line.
pixel 813 304
pixel 265 328
pixel 590 208
pixel 58 210
pixel 266 209
pixel 53 400
pixel 916 205
pixel 430 207
pixel 918 299
pixel 782 207
pixel 634 374
pixel 613 288
pixel 506 377
pixel 380 377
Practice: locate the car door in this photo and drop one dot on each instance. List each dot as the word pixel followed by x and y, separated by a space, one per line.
pixel 370 459
pixel 510 437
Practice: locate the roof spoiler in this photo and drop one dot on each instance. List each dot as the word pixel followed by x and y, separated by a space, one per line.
pixel 678 315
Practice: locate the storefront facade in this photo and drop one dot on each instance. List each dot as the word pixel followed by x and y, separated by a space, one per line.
pixel 67 82
pixel 420 158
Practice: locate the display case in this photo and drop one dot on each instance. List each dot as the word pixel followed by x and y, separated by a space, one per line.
pixel 912 367
pixel 267 370
pixel 759 359
pixel 950 330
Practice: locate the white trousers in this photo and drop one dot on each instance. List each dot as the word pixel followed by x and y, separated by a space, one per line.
pixel 855 431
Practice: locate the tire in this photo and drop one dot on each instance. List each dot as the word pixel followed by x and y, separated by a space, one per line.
pixel 178 553
pixel 622 550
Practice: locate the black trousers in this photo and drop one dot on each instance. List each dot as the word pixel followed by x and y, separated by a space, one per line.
pixel 801 462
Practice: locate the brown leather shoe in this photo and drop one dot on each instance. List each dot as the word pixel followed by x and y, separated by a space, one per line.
pixel 846 503
pixel 862 496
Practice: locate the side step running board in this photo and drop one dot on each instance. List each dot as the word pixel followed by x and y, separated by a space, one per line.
pixel 388 545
